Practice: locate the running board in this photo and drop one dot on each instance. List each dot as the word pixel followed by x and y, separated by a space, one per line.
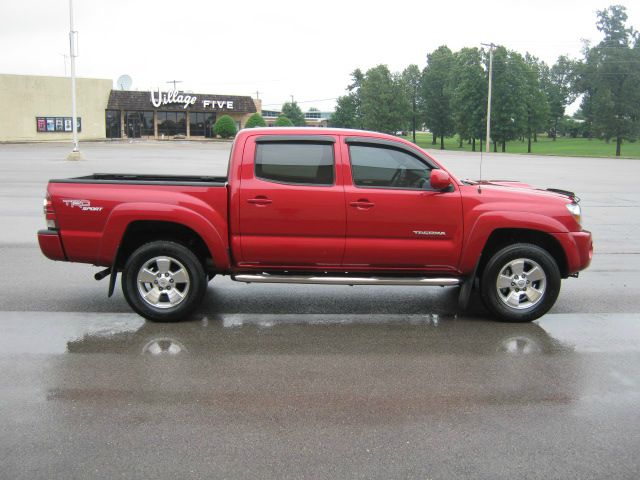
pixel 327 280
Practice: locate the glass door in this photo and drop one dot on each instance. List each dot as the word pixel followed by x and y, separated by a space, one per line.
pixel 134 124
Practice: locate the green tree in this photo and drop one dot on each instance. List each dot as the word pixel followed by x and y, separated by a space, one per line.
pixel 436 93
pixel 558 85
pixel 225 127
pixel 585 125
pixel 469 95
pixel 535 100
pixel 411 78
pixel 283 121
pixel 292 111
pixel 383 101
pixel 609 77
pixel 348 112
pixel 357 78
pixel 508 111
pixel 345 115
pixel 255 120
pixel 570 127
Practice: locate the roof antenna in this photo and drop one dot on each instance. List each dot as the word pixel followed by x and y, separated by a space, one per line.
pixel 480 180
pixel 491 47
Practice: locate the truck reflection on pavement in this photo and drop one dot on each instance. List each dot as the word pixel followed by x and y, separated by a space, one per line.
pixel 323 334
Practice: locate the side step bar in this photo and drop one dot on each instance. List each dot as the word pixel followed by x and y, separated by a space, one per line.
pixel 327 280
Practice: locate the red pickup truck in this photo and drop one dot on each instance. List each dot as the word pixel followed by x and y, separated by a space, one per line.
pixel 323 206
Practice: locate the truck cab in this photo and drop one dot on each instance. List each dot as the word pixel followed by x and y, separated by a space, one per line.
pixel 334 202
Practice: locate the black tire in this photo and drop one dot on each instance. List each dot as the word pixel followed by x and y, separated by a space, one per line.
pixel 180 286
pixel 525 296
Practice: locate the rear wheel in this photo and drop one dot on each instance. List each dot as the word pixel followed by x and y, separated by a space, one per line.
pixel 163 281
pixel 520 283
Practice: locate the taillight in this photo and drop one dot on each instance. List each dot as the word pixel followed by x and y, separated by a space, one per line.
pixel 49 214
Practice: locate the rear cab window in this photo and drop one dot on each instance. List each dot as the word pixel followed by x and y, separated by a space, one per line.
pixel 295 162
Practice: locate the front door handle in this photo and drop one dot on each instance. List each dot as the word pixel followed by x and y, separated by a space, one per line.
pixel 259 201
pixel 362 204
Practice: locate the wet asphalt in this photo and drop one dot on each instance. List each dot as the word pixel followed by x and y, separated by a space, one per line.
pixel 281 381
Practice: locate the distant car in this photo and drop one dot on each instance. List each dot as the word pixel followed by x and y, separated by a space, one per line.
pixel 401 133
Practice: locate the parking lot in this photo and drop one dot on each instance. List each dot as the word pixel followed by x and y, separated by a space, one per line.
pixel 301 381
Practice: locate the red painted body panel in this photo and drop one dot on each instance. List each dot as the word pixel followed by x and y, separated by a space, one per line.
pixel 383 235
pixel 579 249
pixel 94 236
pixel 51 245
pixel 302 225
pixel 493 208
pixel 311 227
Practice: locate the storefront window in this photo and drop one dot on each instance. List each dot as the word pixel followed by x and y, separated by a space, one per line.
pixel 113 123
pixel 139 124
pixel 172 123
pixel 200 123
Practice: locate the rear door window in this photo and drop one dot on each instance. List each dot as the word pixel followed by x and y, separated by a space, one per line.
pixel 301 163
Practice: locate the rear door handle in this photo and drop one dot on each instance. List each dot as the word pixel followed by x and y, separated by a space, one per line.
pixel 259 201
pixel 362 204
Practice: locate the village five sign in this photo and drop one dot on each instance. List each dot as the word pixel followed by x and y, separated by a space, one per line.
pixel 174 96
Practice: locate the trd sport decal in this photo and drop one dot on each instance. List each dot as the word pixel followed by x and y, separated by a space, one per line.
pixel 84 205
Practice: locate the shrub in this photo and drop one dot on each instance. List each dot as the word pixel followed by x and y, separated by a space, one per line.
pixel 568 126
pixel 254 121
pixel 225 127
pixel 283 121
pixel 292 112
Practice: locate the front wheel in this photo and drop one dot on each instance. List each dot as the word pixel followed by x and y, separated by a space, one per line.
pixel 163 281
pixel 520 283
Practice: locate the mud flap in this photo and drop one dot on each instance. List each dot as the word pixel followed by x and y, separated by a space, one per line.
pixel 112 282
pixel 467 288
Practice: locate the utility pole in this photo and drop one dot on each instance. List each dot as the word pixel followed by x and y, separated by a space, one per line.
pixel 291 99
pixel 491 47
pixel 174 83
pixel 73 37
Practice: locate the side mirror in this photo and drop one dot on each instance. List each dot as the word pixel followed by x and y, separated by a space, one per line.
pixel 439 179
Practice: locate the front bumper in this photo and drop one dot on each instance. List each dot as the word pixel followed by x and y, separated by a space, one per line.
pixel 51 244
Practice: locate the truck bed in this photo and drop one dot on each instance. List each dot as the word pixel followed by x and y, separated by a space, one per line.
pixel 143 179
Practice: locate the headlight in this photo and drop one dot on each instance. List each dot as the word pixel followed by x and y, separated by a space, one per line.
pixel 575 211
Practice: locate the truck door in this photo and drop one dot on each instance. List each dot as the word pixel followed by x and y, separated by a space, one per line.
pixel 291 202
pixel 394 218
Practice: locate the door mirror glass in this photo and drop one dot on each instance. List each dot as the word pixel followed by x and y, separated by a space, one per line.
pixel 439 179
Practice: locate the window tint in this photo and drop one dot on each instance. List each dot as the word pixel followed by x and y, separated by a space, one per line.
pixel 387 168
pixel 300 163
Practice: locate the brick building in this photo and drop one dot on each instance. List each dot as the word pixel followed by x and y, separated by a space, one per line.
pixel 38 108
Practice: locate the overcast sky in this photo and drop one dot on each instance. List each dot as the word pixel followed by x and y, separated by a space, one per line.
pixel 280 48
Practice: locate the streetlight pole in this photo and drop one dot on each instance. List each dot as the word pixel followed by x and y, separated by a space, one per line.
pixel 75 153
pixel 491 47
